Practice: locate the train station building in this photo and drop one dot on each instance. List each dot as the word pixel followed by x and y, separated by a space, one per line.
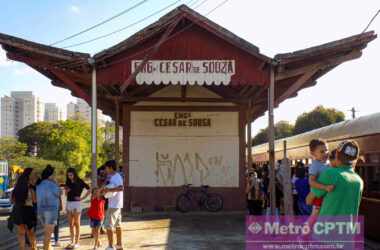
pixel 183 89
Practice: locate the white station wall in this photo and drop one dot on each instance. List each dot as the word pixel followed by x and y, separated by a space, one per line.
pixel 174 155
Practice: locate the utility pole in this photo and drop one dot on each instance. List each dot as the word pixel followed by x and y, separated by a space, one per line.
pixel 353 112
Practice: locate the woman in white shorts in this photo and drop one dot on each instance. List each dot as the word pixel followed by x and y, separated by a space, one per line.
pixel 74 188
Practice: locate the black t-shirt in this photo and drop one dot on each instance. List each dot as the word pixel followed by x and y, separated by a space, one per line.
pixel 76 189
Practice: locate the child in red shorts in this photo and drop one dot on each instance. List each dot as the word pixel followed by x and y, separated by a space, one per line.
pixel 96 214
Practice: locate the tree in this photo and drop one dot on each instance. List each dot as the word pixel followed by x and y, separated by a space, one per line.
pixel 10 148
pixel 37 134
pixel 39 164
pixel 108 148
pixel 282 129
pixel 317 118
pixel 65 141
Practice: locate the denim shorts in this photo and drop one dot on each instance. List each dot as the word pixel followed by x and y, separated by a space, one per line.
pixel 95 223
pixel 48 217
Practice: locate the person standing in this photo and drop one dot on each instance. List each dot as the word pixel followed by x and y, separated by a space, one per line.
pixel 253 192
pixel 48 195
pixel 303 189
pixel 56 228
pixel 265 187
pixel 345 198
pixel 24 216
pixel 96 215
pixel 74 187
pixel 102 181
pixel 114 193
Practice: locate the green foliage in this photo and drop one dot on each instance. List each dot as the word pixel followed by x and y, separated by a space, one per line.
pixel 68 142
pixel 317 118
pixel 108 148
pixel 282 129
pixel 260 137
pixel 10 148
pixel 39 164
pixel 36 133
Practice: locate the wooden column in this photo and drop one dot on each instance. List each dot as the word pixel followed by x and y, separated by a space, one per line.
pixel 126 165
pixel 242 153
pixel 249 136
pixel 287 184
pixel 272 176
pixel 117 134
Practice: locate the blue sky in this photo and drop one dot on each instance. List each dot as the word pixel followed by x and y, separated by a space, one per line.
pixel 273 25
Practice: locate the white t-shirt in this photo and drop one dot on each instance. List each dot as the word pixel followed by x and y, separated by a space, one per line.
pixel 116 201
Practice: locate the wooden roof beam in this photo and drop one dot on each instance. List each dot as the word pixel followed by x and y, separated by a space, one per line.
pixel 41 49
pixel 313 70
pixel 297 84
pixel 243 90
pixel 44 64
pixel 324 64
pixel 225 92
pixel 80 92
pixel 258 93
pixel 183 91
pixel 180 99
pixel 163 39
pixel 145 90
pixel 252 90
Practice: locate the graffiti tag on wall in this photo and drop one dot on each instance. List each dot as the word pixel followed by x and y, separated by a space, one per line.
pixel 192 168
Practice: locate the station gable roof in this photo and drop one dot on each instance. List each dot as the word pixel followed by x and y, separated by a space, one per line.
pixel 197 39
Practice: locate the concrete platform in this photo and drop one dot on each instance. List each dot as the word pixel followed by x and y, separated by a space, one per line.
pixel 174 231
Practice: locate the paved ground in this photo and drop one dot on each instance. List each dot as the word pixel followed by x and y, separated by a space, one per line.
pixel 189 232
pixel 4 232
pixel 7 238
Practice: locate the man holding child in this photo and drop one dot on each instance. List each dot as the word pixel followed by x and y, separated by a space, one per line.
pixel 341 188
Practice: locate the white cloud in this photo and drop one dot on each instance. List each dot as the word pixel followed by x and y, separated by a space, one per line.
pixel 75 9
pixel 23 70
pixel 16 68
pixel 4 60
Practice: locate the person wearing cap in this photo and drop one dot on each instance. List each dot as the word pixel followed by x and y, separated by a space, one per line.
pixel 48 194
pixel 345 198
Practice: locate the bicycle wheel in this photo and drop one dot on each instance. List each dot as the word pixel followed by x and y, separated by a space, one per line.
pixel 183 203
pixel 214 203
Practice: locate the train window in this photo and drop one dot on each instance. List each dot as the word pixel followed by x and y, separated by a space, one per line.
pixel 371 177
pixel 374 158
